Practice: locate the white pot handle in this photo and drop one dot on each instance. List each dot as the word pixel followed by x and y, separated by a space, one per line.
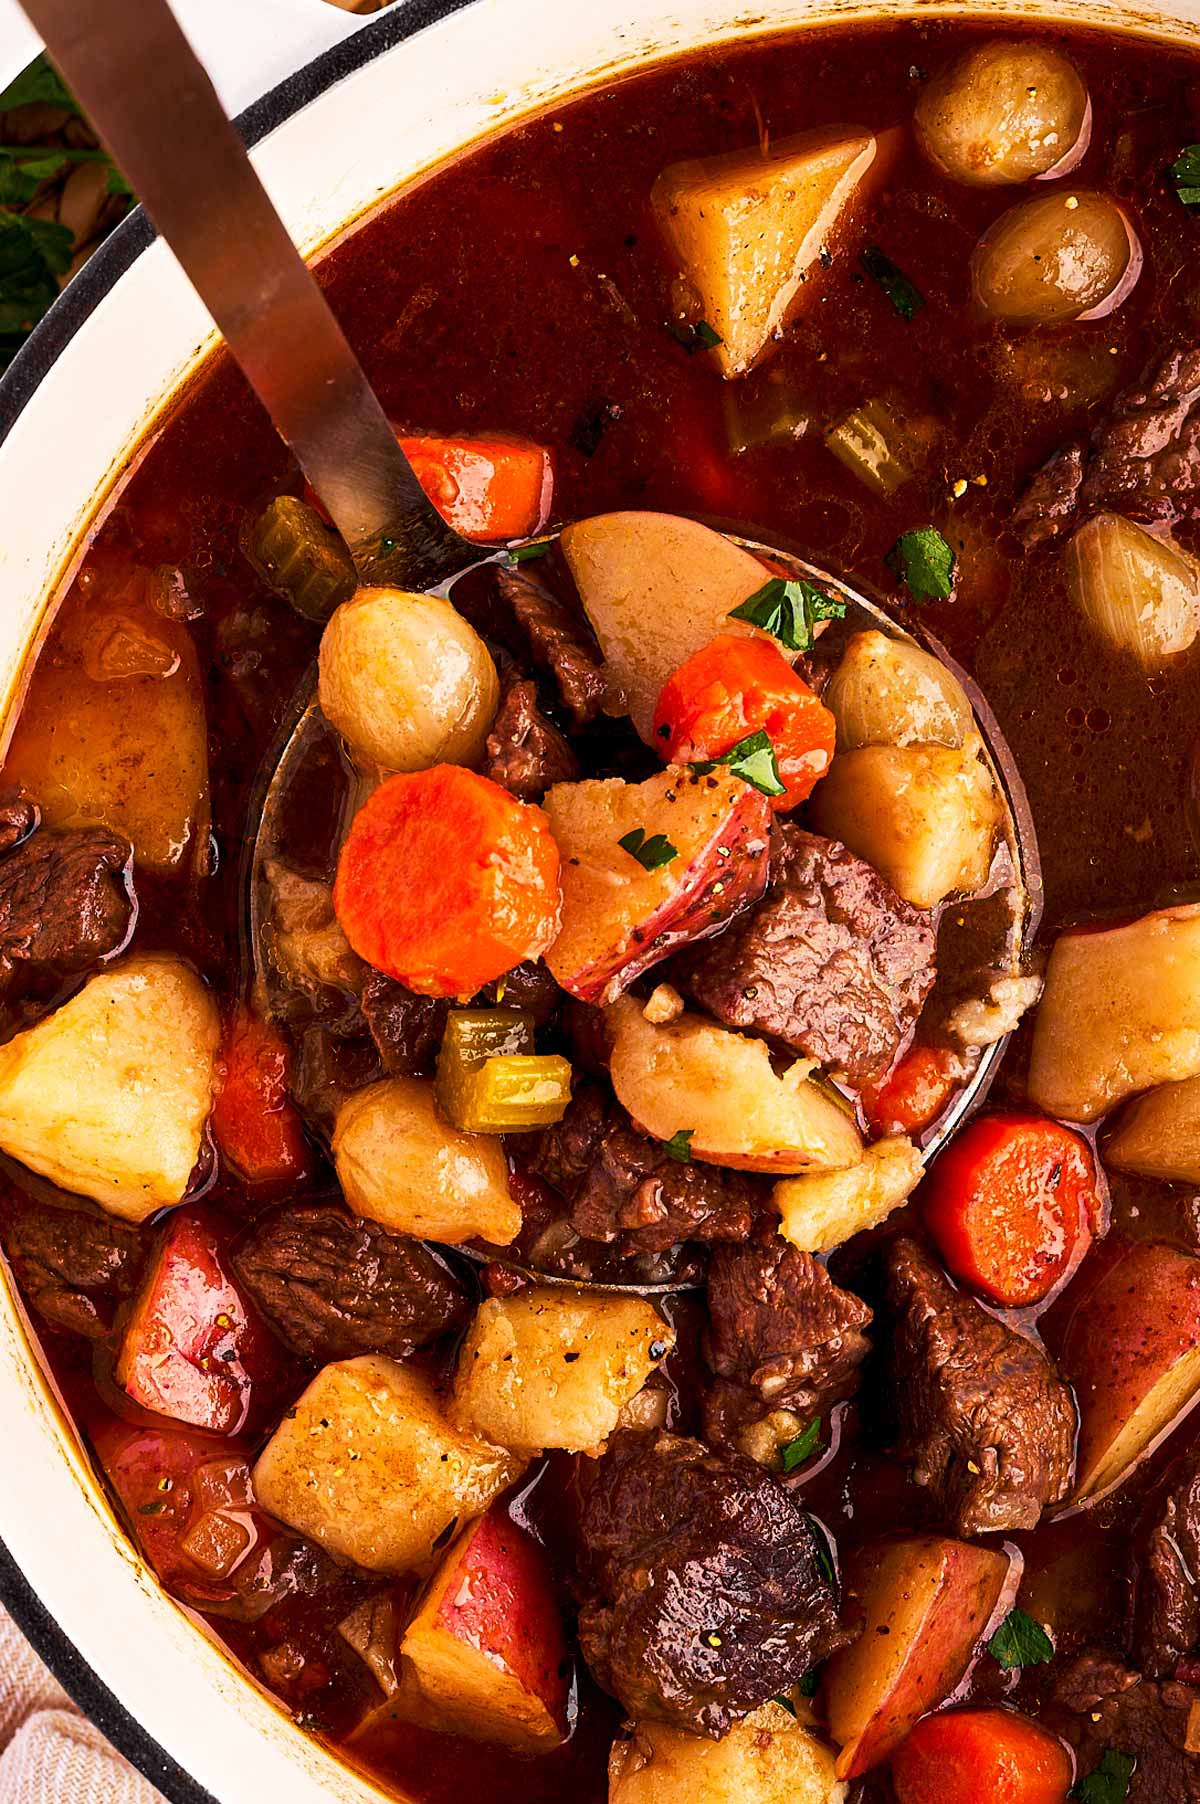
pixel 246 45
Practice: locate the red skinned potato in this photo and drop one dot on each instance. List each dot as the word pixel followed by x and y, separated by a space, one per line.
pixel 927 1602
pixel 193 1348
pixel 486 1653
pixel 706 840
pixel 1132 1352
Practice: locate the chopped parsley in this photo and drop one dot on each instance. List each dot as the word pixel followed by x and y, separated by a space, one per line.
pixel 753 760
pixel 698 337
pixel 789 609
pixel 821 1547
pixel 787 1704
pixel 650 853
pixel 803 1447
pixel 1186 175
pixel 925 562
pixel 1109 1783
pixel 904 295
pixel 808 1685
pixel 1020 1641
pixel 679 1146
pixel 525 554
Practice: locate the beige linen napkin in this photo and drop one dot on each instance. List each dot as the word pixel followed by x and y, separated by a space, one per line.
pixel 49 1753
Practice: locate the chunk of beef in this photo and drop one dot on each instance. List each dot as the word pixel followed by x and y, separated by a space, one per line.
pixel 333 1285
pixel 986 1421
pixel 1166 1623
pixel 320 974
pixel 622 1185
pixel 66 902
pixel 832 962
pixel 558 642
pixel 73 1265
pixel 18 818
pixel 1098 1705
pixel 526 753
pixel 406 1028
pixel 1143 460
pixel 328 1067
pixel 527 986
pixel 702 1583
pixel 781 1335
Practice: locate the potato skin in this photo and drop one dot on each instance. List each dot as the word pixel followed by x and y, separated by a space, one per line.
pixel 554 1368
pixel 771 1758
pixel 367 1465
pixel 401 1163
pixel 406 681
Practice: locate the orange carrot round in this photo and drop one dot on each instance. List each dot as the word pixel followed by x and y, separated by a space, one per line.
pixel 445 881
pixel 489 487
pixel 733 687
pixel 964 1756
pixel 914 1093
pixel 1012 1205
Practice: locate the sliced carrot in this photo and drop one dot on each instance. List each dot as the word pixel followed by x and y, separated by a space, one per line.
pixel 965 1756
pixel 1012 1204
pixel 255 1126
pixel 914 1093
pixel 491 487
pixel 733 687
pixel 446 881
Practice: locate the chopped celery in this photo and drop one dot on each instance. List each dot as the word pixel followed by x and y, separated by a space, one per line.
pixel 300 557
pixel 472 1036
pixel 511 1092
pixel 764 414
pixel 871 443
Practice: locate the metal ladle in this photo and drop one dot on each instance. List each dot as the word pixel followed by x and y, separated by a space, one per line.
pixel 183 157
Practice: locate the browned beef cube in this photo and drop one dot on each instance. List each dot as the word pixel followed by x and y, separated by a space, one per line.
pixel 65 903
pixel 74 1265
pixel 1100 1706
pixel 558 643
pixel 1167 1611
pixel 526 753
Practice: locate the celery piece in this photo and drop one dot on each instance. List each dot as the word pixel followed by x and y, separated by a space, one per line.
pixel 471 1037
pixel 513 1091
pixel 870 442
pixel 300 557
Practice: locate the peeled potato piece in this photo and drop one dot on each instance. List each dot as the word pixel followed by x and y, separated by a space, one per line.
pixel 689 1076
pixel 554 1368
pixel 656 587
pixel 821 1210
pixel 926 816
pixel 401 1163
pixel 1158 1134
pixel 773 1757
pixel 888 691
pixel 406 681
pixel 1063 256
pixel 747 227
pixel 109 1095
pixel 1005 112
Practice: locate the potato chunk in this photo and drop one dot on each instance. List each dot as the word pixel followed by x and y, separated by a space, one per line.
pixel 1120 1013
pixel 925 816
pixel 113 729
pixel 368 1466
pixel 109 1095
pixel 772 1757
pixel 689 1077
pixel 655 588
pixel 747 228
pixel 554 1368
pixel 401 1163
pixel 1158 1135
pixel 819 1211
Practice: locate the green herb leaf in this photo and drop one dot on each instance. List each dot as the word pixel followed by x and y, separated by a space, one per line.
pixel 787 1704
pixel 821 1546
pixel 116 184
pixel 698 337
pixel 1109 1784
pixel 22 173
pixel 753 760
pixel 525 554
pixel 707 335
pixel 38 83
pixel 904 295
pixel 1186 175
pixel 679 1146
pixel 925 562
pixel 650 853
pixel 803 1447
pixel 808 1685
pixel 33 253
pixel 789 609
pixel 1020 1641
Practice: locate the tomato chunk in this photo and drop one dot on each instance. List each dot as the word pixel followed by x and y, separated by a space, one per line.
pixel 1012 1204
pixel 965 1756
pixel 253 1120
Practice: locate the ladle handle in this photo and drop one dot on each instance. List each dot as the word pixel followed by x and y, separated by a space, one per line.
pixel 151 100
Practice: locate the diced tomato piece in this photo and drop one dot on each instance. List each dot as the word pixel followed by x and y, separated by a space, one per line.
pixel 193 1347
pixel 965 1756
pixel 254 1122
pixel 1012 1204
pixel 494 486
pixel 914 1094
pixel 736 686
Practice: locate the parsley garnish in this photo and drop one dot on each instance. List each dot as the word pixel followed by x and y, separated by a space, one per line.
pixel 803 1447
pixel 1109 1783
pixel 789 609
pixel 924 561
pixel 753 760
pixel 1186 174
pixel 679 1146
pixel 821 1545
pixel 33 254
pixel 808 1685
pixel 1020 1641
pixel 904 295
pixel 787 1704
pixel 698 337
pixel 525 554
pixel 650 853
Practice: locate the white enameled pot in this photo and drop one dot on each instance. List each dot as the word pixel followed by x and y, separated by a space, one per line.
pixel 418 84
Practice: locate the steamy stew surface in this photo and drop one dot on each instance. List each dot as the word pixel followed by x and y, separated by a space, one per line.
pixel 633 920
